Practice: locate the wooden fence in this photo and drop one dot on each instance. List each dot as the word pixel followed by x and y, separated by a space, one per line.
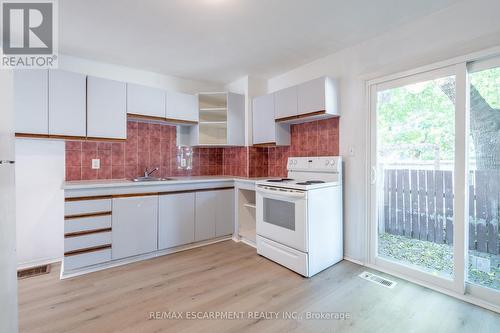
pixel 419 204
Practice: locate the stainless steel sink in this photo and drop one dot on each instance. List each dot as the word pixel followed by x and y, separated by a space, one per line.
pixel 150 179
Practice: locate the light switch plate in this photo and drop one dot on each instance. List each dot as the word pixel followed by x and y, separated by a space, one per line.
pixel 96 163
pixel 351 151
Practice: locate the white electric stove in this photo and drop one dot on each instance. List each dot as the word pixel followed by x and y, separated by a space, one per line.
pixel 299 218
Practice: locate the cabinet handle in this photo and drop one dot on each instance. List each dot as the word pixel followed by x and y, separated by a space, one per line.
pixel 7 162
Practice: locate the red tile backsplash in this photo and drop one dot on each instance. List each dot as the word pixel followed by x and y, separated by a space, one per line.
pixel 154 145
pixel 316 138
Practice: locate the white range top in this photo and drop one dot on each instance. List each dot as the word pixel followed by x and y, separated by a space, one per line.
pixel 309 173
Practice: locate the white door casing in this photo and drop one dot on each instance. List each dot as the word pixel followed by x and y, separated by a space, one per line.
pixel 8 278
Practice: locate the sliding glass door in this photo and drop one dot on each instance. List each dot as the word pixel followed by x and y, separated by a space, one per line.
pixel 435 187
pixel 483 266
pixel 415 161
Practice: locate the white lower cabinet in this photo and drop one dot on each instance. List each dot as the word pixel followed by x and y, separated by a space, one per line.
pixel 205 215
pixel 214 214
pixel 176 220
pixel 224 212
pixel 135 226
pixel 103 229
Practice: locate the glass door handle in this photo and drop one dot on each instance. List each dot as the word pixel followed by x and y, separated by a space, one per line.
pixel 7 162
pixel 373 175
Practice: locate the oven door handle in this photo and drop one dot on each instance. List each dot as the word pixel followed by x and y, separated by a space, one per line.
pixel 284 193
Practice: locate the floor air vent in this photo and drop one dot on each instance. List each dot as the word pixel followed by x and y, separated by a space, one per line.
pixel 377 279
pixel 33 271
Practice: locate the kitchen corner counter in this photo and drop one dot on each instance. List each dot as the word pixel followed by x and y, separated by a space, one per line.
pixel 111 183
pixel 124 186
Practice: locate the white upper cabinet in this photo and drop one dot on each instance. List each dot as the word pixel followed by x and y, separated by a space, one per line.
pixel 235 119
pixel 318 95
pixel 263 119
pixel 31 101
pixel 145 101
pixel 106 108
pixel 265 129
pixel 182 107
pixel 67 103
pixel 286 103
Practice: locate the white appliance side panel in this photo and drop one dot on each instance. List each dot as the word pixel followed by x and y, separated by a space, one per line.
pixel 283 255
pixel 325 228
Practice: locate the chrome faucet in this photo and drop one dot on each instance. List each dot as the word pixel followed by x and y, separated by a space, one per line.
pixel 149 173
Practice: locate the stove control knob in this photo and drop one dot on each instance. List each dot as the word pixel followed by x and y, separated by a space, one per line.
pixel 332 163
pixel 327 162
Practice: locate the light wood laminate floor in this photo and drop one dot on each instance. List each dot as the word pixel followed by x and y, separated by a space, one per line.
pixel 230 276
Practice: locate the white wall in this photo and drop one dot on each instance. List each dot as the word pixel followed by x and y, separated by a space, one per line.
pixel 132 75
pixel 468 26
pixel 40 201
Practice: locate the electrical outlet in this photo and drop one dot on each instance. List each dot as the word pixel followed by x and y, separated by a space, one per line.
pixel 483 264
pixel 96 163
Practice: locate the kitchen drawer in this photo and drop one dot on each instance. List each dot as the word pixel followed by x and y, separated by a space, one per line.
pixel 87 223
pixel 87 241
pixel 283 255
pixel 87 206
pixel 86 259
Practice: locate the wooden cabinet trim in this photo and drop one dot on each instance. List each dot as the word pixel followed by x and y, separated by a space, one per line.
pixel 64 137
pixel 99 197
pixel 129 195
pixel 79 216
pixel 86 232
pixel 300 116
pixel 87 250
pixel 163 119
pixel 265 144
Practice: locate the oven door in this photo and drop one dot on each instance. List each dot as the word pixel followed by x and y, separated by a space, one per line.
pixel 282 216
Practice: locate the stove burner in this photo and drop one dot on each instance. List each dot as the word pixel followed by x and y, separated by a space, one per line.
pixel 279 180
pixel 311 182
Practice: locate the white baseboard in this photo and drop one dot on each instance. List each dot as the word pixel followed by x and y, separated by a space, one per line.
pixel 354 261
pixel 35 263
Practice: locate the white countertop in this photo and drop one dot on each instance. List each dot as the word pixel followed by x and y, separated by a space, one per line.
pixel 89 184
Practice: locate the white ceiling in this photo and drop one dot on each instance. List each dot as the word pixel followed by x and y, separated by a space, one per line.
pixel 222 40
